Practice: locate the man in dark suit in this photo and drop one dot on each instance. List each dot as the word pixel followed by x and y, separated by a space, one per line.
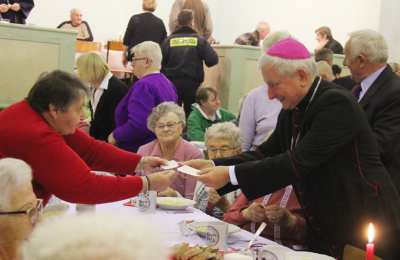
pixel 378 93
pixel 323 145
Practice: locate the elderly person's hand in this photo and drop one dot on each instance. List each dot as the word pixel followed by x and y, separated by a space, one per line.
pixel 199 164
pixel 255 212
pixel 280 216
pixel 215 177
pixel 160 181
pixel 149 163
pixel 169 192
pixel 4 8
pixel 111 139
pixel 15 7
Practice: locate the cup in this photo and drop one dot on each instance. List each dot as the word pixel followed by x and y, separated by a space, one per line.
pixel 146 202
pixel 216 234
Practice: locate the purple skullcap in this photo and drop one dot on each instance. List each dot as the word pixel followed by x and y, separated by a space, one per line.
pixel 289 49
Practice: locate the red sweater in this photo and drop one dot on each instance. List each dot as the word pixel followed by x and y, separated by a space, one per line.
pixel 62 164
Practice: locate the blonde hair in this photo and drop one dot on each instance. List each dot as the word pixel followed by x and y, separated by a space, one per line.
pixel 149 5
pixel 325 70
pixel 94 236
pixel 92 67
pixel 14 175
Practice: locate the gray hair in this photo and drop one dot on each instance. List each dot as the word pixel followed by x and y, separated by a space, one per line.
pixel 226 131
pixel 288 67
pixel 370 43
pixel 149 50
pixel 74 10
pixel 272 38
pixel 14 175
pixel 94 236
pixel 163 109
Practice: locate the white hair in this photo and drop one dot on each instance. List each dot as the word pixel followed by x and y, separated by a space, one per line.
pixel 149 50
pixel 74 10
pixel 288 67
pixel 14 175
pixel 370 43
pixel 226 131
pixel 163 109
pixel 263 25
pixel 325 70
pixel 273 38
pixel 94 236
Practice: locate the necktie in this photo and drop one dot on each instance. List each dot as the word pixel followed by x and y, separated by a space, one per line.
pixel 356 91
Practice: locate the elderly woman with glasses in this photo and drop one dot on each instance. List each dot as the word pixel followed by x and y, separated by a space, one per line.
pixel 167 121
pixel 19 207
pixel 221 140
pixel 151 89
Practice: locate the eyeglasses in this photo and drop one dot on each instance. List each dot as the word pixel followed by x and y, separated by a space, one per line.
pixel 33 212
pixel 134 60
pixel 167 125
pixel 222 149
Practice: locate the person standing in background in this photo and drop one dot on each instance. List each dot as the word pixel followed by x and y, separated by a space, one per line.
pixel 325 40
pixel 203 24
pixel 15 11
pixel 184 53
pixel 143 27
pixel 77 24
pixel 254 38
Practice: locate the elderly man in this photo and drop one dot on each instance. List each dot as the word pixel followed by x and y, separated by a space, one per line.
pixel 254 38
pixel 324 147
pixel 19 207
pixel 16 11
pixel 77 24
pixel 378 92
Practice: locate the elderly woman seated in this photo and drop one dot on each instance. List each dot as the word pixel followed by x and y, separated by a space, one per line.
pixel 106 91
pixel 151 89
pixel 167 121
pixel 80 238
pixel 222 140
pixel 19 208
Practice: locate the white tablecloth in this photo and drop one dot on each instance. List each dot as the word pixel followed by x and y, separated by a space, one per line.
pixel 167 222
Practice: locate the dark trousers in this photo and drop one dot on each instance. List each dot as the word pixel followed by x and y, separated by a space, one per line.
pixel 186 90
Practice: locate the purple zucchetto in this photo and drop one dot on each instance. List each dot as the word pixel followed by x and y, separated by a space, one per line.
pixel 289 49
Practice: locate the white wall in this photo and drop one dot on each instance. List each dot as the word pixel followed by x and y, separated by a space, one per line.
pixel 389 26
pixel 108 19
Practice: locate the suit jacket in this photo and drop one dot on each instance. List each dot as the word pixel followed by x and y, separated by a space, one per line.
pixel 103 122
pixel 339 179
pixel 381 103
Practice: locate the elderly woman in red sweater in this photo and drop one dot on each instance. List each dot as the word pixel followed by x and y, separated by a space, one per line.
pixel 42 131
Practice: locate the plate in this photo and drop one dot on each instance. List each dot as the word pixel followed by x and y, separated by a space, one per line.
pixel 174 203
pixel 201 228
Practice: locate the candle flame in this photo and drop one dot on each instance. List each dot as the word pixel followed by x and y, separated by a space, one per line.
pixel 371 233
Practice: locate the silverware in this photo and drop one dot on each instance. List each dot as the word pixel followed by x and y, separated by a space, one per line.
pixel 258 232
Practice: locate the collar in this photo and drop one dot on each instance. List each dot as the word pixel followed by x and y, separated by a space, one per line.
pixel 306 100
pixel 368 81
pixel 105 81
pixel 179 152
pixel 217 114
pixel 185 29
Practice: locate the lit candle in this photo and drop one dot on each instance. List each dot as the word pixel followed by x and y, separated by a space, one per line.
pixel 370 244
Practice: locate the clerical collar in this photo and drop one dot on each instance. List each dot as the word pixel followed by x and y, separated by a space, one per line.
pixel 302 106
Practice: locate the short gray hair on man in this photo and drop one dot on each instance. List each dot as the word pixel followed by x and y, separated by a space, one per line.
pixel 274 37
pixel 149 50
pixel 226 131
pixel 74 10
pixel 288 67
pixel 370 43
pixel 14 175
pixel 162 110
pixel 95 236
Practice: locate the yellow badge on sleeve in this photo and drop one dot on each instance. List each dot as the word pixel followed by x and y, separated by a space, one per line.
pixel 183 41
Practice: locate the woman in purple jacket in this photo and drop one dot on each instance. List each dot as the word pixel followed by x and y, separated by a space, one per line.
pixel 151 89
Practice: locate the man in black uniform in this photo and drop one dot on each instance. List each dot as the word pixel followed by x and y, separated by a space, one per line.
pixel 184 52
pixel 323 145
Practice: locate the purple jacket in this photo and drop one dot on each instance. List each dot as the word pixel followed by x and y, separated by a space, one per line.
pixel 132 111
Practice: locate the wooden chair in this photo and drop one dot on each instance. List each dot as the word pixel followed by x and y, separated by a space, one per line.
pixel 83 46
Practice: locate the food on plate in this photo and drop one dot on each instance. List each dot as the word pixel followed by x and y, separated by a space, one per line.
pixel 185 252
